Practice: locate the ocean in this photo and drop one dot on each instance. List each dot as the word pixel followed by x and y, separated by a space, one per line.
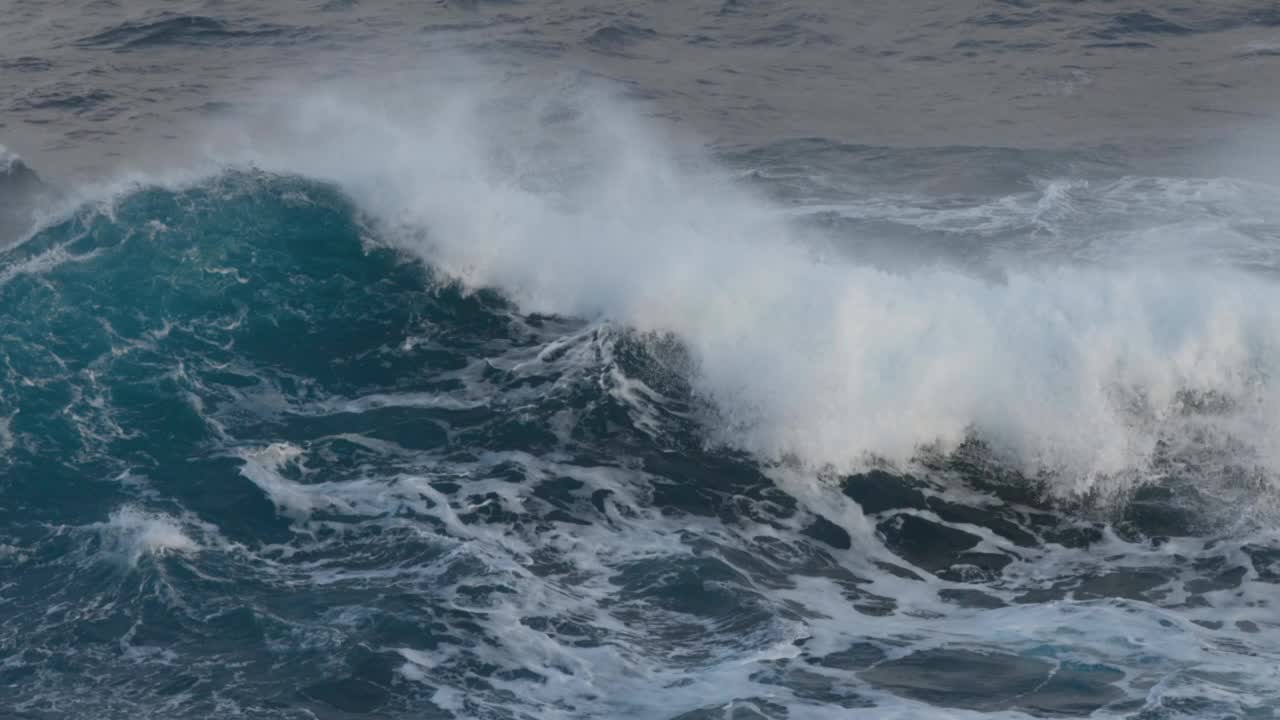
pixel 726 360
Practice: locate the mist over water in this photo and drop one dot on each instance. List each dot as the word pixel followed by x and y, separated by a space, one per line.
pixel 497 383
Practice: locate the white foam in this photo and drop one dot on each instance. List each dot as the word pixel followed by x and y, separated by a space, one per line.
pixel 7 159
pixel 570 203
pixel 137 533
pixel 263 468
pixel 7 438
pixel 1162 653
pixel 1058 367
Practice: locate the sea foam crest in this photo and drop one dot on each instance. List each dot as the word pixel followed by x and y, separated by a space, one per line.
pixel 571 204
pixel 137 533
pixel 8 159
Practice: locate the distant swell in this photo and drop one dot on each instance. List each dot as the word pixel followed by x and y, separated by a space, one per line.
pixel 171 29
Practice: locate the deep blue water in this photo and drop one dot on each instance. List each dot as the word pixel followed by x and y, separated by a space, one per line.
pixel 494 393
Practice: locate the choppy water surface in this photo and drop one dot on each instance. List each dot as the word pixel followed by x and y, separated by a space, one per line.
pixel 730 360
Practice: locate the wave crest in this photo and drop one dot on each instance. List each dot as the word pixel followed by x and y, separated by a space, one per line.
pixel 571 206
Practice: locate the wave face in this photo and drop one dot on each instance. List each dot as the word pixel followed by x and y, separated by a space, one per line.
pixel 828 361
pixel 405 434
pixel 1125 352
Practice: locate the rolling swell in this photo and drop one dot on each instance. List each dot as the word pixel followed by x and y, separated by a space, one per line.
pixel 246 438
pixel 943 384
pixel 232 293
pixel 1095 369
pixel 161 355
pixel 270 404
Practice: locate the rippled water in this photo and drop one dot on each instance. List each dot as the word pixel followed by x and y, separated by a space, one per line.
pixel 725 360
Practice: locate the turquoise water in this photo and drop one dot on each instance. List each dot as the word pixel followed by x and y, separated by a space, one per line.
pixel 508 360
